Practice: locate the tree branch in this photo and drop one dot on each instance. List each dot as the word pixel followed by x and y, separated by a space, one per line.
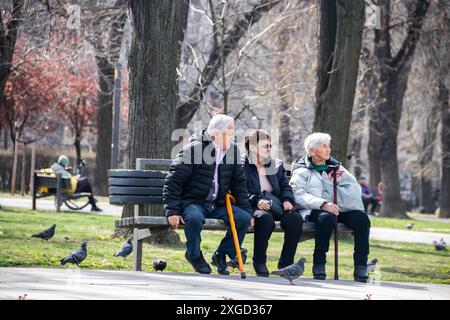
pixel 409 44
pixel 187 109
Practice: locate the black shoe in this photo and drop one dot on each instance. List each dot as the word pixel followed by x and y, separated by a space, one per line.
pixel 219 260
pixel 200 265
pixel 96 209
pixel 319 272
pixel 261 269
pixel 360 274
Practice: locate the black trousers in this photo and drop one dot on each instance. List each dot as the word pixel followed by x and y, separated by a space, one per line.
pixel 356 220
pixel 84 185
pixel 292 224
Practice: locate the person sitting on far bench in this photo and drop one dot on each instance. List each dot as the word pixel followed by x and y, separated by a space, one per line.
pixel 79 183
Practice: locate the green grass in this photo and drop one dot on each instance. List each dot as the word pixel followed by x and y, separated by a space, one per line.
pixel 397 261
pixel 426 226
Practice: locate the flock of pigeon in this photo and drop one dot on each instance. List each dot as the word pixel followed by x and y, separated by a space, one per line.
pixel 438 245
pixel 289 273
pixel 79 255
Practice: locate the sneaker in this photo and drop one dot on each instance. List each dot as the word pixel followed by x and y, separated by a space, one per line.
pixel 360 274
pixel 319 272
pixel 96 209
pixel 261 269
pixel 219 260
pixel 200 265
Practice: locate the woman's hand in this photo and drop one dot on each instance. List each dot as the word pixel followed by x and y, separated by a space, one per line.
pixel 263 204
pixel 331 208
pixel 287 206
pixel 251 225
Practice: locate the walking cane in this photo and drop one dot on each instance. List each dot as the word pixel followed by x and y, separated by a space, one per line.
pixel 336 275
pixel 228 199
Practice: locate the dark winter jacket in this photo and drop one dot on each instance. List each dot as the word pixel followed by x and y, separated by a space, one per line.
pixel 192 172
pixel 276 176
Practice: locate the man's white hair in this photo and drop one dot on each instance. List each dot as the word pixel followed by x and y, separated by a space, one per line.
pixel 219 123
pixel 313 140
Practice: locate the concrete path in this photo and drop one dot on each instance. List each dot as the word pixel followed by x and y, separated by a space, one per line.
pixel 388 234
pixel 49 205
pixel 83 284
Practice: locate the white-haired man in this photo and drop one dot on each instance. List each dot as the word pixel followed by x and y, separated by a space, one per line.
pixel 203 172
pixel 312 183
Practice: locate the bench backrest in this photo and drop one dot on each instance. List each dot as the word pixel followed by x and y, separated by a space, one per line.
pixel 139 186
pixel 50 181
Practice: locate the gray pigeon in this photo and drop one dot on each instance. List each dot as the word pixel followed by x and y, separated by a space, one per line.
pixel 440 245
pixel 126 249
pixel 77 256
pixel 410 226
pixel 293 271
pixel 46 234
pixel 372 265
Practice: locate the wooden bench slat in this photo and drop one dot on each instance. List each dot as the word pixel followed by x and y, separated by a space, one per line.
pixel 134 199
pixel 135 182
pixel 129 173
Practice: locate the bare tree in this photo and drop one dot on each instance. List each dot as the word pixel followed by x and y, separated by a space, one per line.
pixel 225 41
pixel 393 72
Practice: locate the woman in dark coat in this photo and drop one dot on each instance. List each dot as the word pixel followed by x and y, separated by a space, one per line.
pixel 265 173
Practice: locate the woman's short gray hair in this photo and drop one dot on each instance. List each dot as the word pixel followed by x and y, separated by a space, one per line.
pixel 313 140
pixel 220 123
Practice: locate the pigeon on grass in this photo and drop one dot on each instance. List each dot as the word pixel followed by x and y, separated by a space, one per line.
pixel 77 256
pixel 46 234
pixel 126 249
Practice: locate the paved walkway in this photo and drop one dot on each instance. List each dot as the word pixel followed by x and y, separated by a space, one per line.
pixel 389 234
pixel 49 205
pixel 386 234
pixel 83 284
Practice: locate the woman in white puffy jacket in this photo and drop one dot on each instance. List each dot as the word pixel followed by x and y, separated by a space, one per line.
pixel 312 183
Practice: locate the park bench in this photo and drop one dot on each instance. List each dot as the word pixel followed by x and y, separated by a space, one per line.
pixel 55 185
pixel 141 186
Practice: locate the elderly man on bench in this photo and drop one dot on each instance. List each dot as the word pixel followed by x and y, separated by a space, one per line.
pixel 203 172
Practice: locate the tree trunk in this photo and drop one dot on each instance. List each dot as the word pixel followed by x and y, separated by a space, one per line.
pixel 104 124
pixel 425 160
pixel 444 201
pixel 77 145
pixel 374 157
pixel 341 26
pixel 386 114
pixel 8 37
pixel 284 121
pixel 154 57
